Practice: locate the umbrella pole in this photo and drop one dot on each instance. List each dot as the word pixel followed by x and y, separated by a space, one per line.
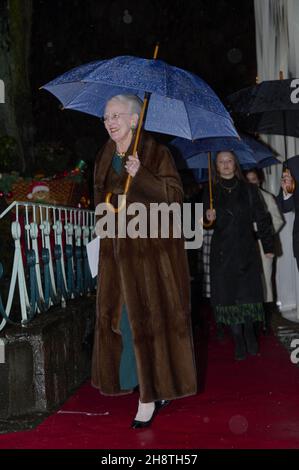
pixel 284 128
pixel 137 137
pixel 208 224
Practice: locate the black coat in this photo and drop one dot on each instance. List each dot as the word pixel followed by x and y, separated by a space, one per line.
pixel 235 261
pixel 293 204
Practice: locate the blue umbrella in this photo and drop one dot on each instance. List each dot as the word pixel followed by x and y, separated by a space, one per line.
pixel 180 104
pixel 263 154
pixel 201 173
pixel 250 152
pixel 196 154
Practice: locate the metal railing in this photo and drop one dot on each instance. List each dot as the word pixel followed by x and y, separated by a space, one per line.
pixel 50 262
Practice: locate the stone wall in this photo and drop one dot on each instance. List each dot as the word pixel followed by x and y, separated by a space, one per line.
pixel 46 360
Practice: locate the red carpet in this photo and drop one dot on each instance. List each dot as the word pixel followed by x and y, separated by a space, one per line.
pixel 252 404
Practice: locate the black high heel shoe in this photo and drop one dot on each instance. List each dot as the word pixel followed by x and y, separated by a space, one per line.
pixel 159 404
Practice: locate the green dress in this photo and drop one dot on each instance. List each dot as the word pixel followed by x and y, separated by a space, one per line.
pixel 127 370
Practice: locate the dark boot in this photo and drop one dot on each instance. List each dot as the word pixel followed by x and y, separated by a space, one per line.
pixel 269 309
pixel 240 348
pixel 220 332
pixel 250 337
pixel 258 328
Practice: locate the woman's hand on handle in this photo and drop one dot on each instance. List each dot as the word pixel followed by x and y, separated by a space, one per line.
pixel 211 215
pixel 132 165
pixel 286 182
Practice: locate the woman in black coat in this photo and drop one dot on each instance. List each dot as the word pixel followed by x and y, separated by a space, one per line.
pixel 236 283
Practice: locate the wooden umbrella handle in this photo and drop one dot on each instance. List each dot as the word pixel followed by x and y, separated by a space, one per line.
pixel 209 224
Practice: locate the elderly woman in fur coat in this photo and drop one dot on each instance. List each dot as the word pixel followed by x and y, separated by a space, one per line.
pixel 142 335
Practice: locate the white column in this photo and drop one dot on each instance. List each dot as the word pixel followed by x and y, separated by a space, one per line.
pixel 277 39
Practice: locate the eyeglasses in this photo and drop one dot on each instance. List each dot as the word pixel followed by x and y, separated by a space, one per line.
pixel 113 117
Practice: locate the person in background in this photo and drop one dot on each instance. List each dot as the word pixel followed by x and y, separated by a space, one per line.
pixel 143 331
pixel 256 176
pixel 236 285
pixel 289 201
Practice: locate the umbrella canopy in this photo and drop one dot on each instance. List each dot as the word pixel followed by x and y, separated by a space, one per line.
pixel 263 154
pixel 196 155
pixel 249 151
pixel 267 108
pixel 180 104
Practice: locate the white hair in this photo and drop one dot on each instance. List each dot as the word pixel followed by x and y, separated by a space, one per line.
pixel 133 101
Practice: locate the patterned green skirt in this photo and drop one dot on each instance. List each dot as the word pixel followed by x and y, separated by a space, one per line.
pixel 234 314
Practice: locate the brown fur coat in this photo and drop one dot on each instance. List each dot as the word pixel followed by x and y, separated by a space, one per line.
pixel 151 277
